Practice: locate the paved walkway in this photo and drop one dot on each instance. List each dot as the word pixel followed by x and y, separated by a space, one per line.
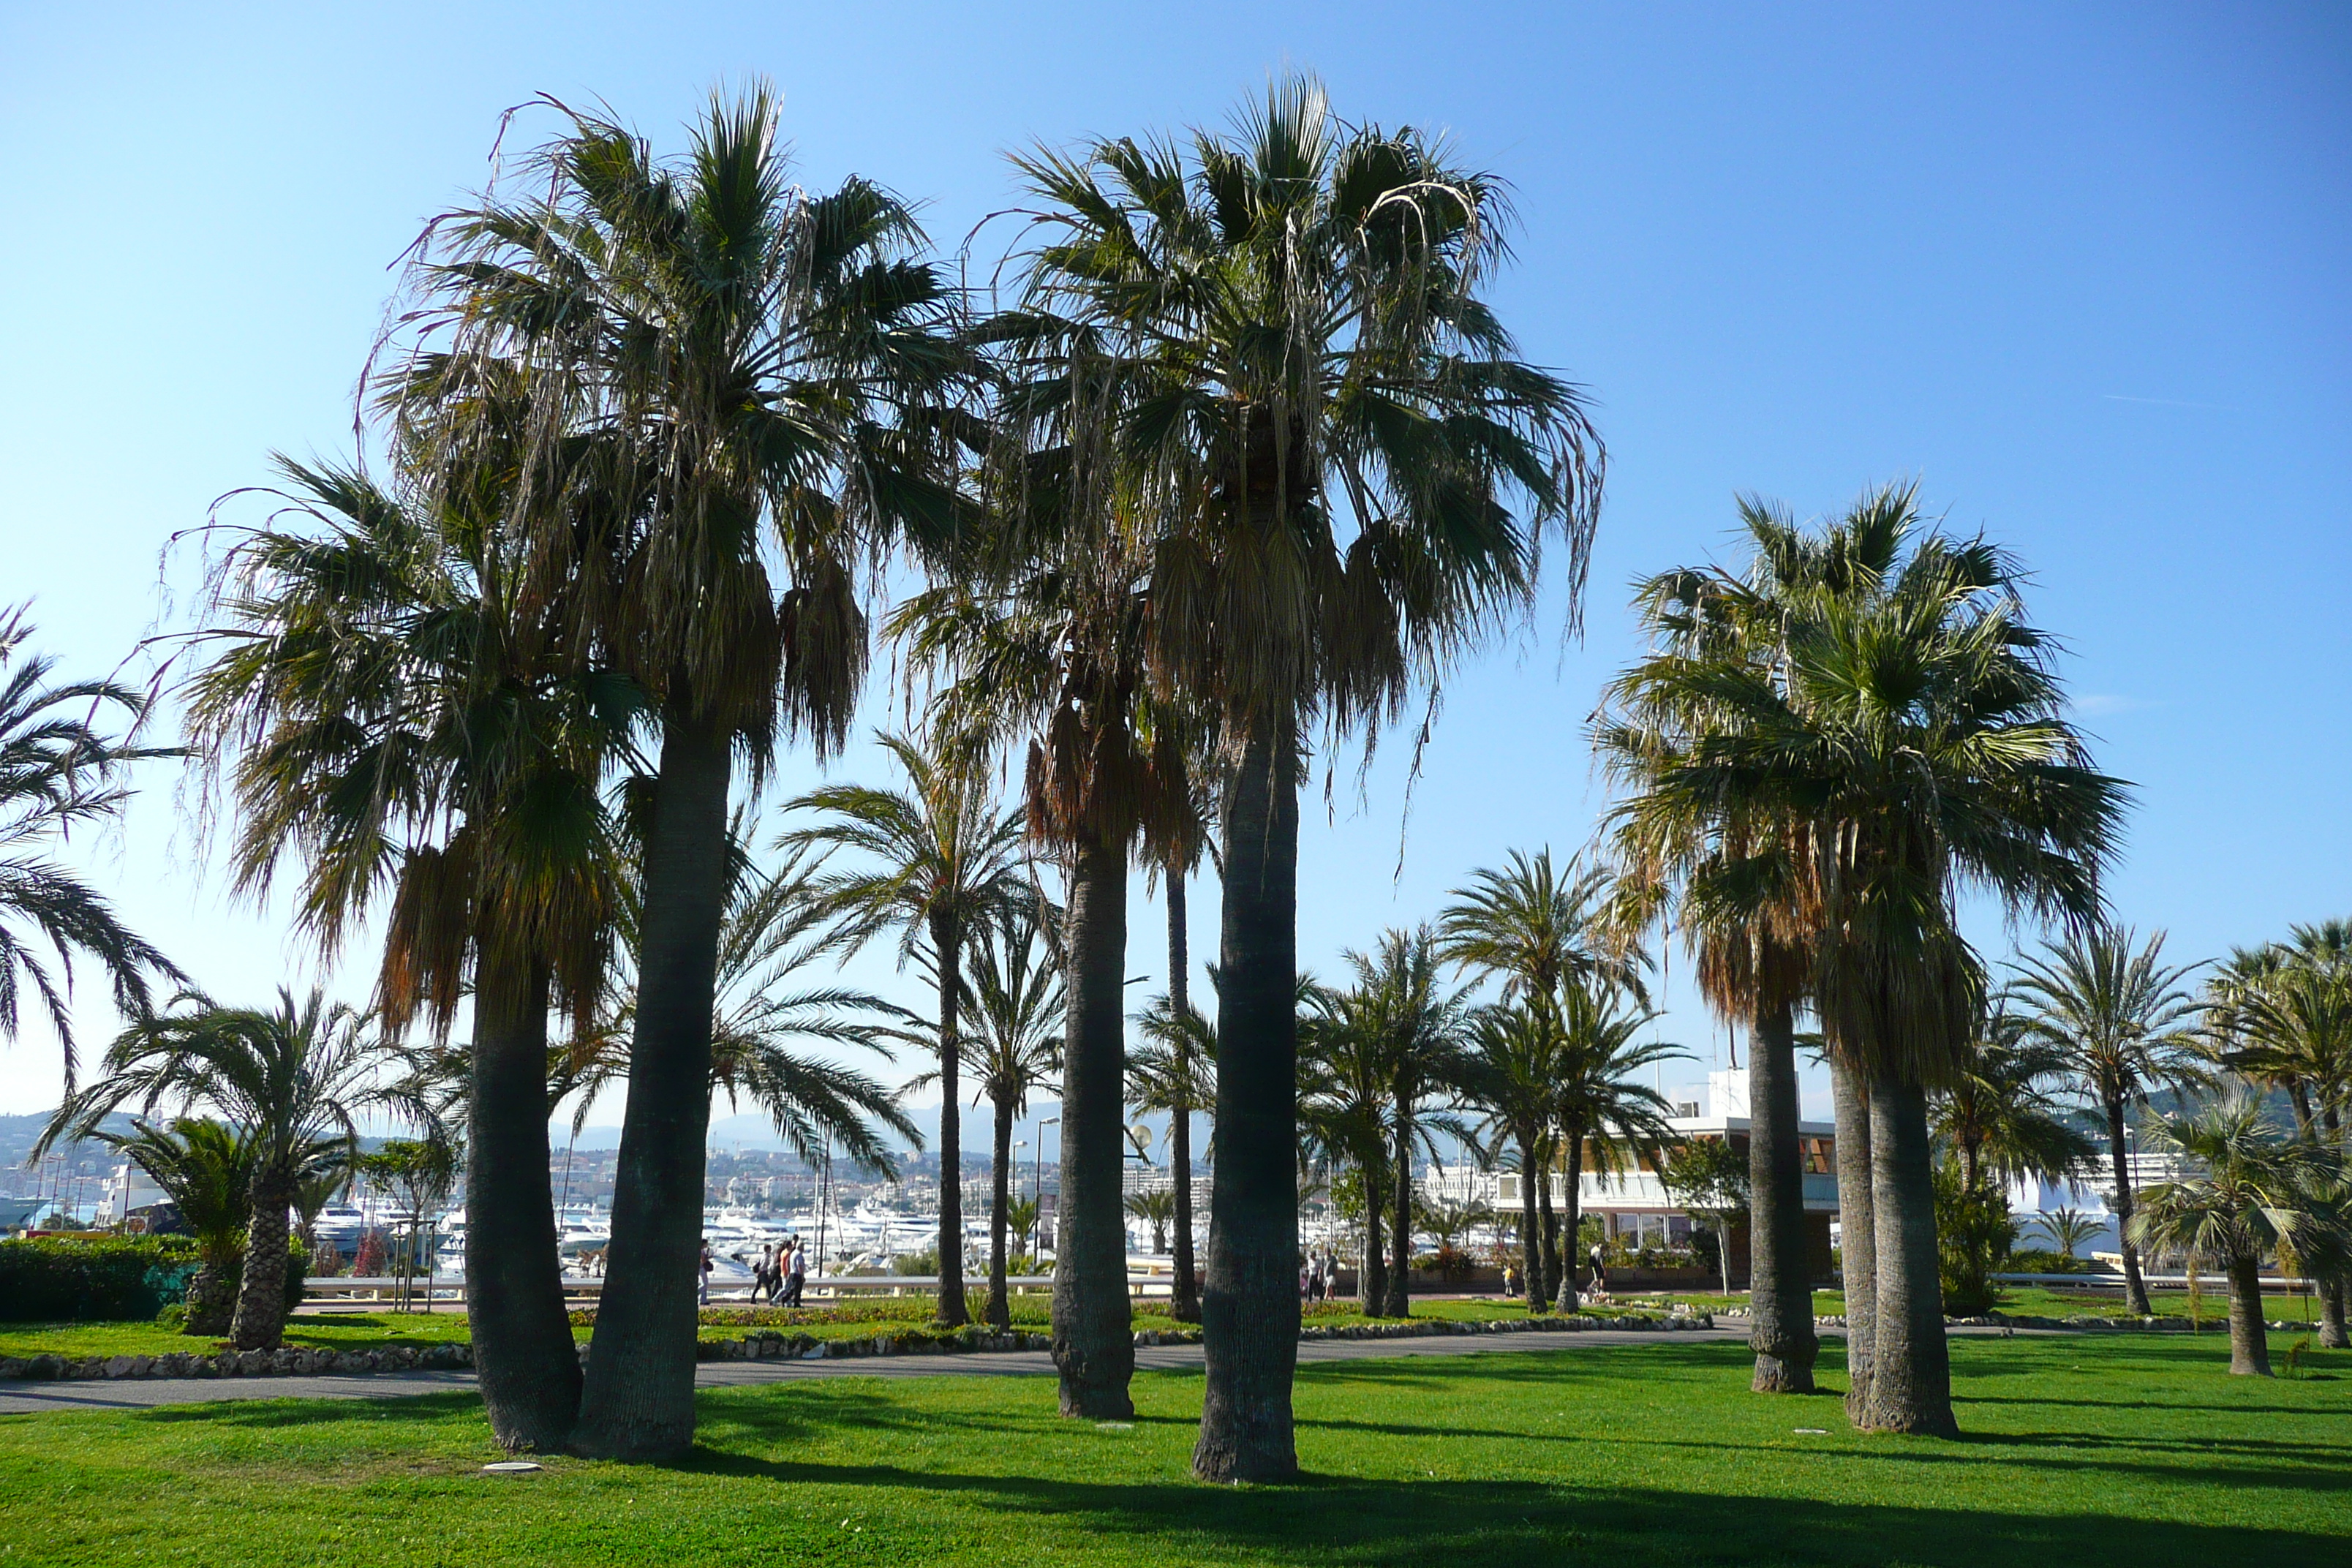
pixel 140 1392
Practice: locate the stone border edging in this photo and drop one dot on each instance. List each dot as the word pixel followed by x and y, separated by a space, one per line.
pixel 767 1345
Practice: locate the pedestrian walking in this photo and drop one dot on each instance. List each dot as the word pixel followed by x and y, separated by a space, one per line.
pixel 795 1272
pixel 1315 1276
pixel 702 1291
pixel 1600 1281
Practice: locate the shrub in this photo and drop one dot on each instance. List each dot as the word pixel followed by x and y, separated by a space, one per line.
pixel 1973 1237
pixel 1449 1263
pixel 102 1277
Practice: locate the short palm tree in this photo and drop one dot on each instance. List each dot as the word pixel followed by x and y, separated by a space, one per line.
pixel 2248 1192
pixel 1999 1111
pixel 205 1168
pixel 1512 1075
pixel 1604 1113
pixel 2066 1227
pixel 290 1076
pixel 733 383
pixel 1156 1208
pixel 941 859
pixel 1344 1106
pixel 60 769
pixel 2121 1021
pixel 1286 329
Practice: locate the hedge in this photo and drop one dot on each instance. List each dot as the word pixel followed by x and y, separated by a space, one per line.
pixel 66 1279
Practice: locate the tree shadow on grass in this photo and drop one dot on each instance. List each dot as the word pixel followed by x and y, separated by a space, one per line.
pixel 267 1413
pixel 1468 1524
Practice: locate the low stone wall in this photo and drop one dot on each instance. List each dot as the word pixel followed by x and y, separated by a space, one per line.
pixel 766 1346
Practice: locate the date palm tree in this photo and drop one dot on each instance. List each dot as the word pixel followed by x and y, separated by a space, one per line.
pixel 1604 1113
pixel 1013 1048
pixel 2122 1022
pixel 2068 1229
pixel 205 1168
pixel 1999 1110
pixel 2250 1193
pixel 290 1076
pixel 735 382
pixel 942 860
pixel 1156 1209
pixel 61 769
pixel 1513 1076
pixel 1289 335
pixel 392 713
pixel 1344 1107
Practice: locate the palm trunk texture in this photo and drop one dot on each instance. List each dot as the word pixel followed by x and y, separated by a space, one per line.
pixel 1780 1278
pixel 2331 1335
pixel 260 1322
pixel 637 1403
pixel 1547 1285
pixel 1372 1275
pixel 2250 1350
pixel 1000 1198
pixel 1530 1228
pixel 1249 1314
pixel 1186 1306
pixel 954 1311
pixel 1857 1236
pixel 1565 1299
pixel 1094 1344
pixel 1399 1298
pixel 2135 1287
pixel 1911 1368
pixel 523 1354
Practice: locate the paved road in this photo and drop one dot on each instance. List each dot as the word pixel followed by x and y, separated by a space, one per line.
pixel 138 1392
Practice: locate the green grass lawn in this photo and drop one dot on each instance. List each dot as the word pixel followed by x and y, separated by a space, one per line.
pixel 2081 1451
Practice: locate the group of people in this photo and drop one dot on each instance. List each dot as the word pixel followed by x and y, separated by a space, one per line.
pixel 1318 1275
pixel 778 1275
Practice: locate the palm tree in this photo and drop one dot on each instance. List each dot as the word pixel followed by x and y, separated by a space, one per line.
pixel 1418 1028
pixel 1513 1074
pixel 1601 1109
pixel 1174 1073
pixel 2067 1228
pixel 290 1076
pixel 943 861
pixel 1906 743
pixel 2118 1016
pixel 394 711
pixel 1344 1109
pixel 205 1168
pixel 1157 1209
pixel 731 380
pixel 1012 1048
pixel 1281 332
pixel 2250 1193
pixel 1998 1113
pixel 60 770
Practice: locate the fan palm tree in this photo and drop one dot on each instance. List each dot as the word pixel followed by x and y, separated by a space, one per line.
pixel 1999 1113
pixel 2120 1018
pixel 60 769
pixel 1908 744
pixel 942 860
pixel 205 1168
pixel 1512 1074
pixel 1173 1072
pixel 393 712
pixel 2251 1193
pixel 290 1076
pixel 1604 1114
pixel 1285 335
pixel 734 381
pixel 1013 1048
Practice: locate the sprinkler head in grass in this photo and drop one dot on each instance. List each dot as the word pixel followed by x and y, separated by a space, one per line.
pixel 511 1467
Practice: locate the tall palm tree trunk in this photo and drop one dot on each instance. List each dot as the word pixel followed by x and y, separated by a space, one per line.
pixel 1911 1368
pixel 1857 1235
pixel 1530 1226
pixel 2118 1151
pixel 1249 1313
pixel 1000 1200
pixel 1186 1306
pixel 1565 1298
pixel 1372 1278
pixel 954 1311
pixel 1094 1346
pixel 637 1403
pixel 2250 1350
pixel 523 1355
pixel 260 1322
pixel 1546 1284
pixel 1780 1278
pixel 1399 1298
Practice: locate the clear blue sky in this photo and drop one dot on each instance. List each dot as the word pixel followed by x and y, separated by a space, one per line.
pixel 2082 269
